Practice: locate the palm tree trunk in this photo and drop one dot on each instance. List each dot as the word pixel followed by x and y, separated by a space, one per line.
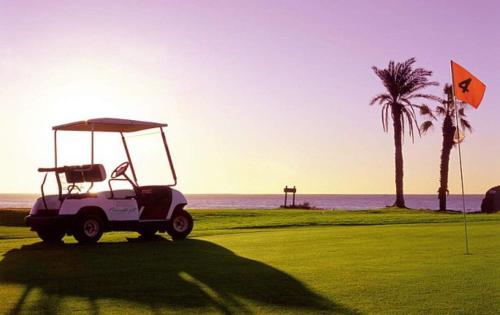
pixel 398 156
pixel 448 132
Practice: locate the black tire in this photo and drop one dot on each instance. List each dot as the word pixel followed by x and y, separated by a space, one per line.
pixel 180 225
pixel 88 229
pixel 51 236
pixel 147 232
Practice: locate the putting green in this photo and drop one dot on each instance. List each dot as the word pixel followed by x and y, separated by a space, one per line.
pixel 263 261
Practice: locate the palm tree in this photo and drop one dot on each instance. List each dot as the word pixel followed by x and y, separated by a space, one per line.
pixel 446 111
pixel 403 85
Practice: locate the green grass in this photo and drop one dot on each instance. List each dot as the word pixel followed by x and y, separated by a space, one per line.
pixel 262 261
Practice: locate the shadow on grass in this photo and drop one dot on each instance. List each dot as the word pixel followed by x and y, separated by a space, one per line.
pixel 191 274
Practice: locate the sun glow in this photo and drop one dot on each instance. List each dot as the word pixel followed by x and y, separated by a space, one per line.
pixel 84 89
pixel 91 89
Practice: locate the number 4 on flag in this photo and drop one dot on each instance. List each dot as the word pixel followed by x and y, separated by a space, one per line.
pixel 464 85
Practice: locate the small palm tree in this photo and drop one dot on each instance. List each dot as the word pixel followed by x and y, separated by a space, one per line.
pixel 403 85
pixel 447 111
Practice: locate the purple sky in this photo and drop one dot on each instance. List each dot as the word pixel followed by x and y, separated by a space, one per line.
pixel 258 94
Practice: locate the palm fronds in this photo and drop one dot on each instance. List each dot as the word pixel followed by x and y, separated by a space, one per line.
pixel 425 126
pixel 403 83
pixel 448 109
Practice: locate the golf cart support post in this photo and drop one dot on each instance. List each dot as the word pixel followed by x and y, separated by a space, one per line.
pixel 104 125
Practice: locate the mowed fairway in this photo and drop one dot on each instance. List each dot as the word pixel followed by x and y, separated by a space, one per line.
pixel 262 261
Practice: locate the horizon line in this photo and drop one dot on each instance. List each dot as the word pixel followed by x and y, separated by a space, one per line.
pixel 282 193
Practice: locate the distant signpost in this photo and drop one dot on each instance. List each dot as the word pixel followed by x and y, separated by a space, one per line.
pixel 287 190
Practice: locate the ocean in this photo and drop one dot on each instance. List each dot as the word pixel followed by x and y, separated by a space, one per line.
pixel 270 201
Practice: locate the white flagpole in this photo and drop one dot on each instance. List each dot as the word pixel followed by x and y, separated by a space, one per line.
pixel 460 161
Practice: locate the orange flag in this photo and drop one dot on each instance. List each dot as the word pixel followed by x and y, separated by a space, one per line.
pixel 467 87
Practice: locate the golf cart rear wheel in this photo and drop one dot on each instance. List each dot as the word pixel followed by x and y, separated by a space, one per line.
pixel 89 229
pixel 180 225
pixel 51 236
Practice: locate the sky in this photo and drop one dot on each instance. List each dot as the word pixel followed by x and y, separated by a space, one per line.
pixel 257 94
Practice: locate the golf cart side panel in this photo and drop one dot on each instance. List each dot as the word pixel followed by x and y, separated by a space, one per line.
pixel 178 199
pixel 114 209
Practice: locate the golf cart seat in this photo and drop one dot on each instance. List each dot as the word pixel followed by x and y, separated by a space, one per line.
pixel 85 173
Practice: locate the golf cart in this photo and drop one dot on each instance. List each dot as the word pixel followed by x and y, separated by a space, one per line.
pixel 86 215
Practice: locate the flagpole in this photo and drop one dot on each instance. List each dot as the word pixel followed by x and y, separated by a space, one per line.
pixel 460 161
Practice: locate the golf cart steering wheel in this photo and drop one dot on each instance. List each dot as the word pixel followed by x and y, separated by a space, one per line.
pixel 120 170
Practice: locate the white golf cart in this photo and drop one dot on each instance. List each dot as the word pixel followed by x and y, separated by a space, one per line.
pixel 86 215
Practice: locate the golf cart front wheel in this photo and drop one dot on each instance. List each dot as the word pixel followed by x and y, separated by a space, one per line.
pixel 89 229
pixel 180 225
pixel 51 236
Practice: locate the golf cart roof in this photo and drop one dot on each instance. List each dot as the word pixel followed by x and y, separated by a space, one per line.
pixel 109 125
